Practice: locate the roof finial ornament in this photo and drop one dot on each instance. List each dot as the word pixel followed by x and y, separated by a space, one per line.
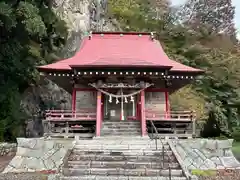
pixel 90 35
pixel 152 36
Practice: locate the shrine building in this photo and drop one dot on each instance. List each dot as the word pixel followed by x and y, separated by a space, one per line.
pixel 119 77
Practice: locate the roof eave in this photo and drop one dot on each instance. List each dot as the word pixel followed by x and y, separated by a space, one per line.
pixel 42 69
pixel 196 72
pixel 123 33
pixel 121 66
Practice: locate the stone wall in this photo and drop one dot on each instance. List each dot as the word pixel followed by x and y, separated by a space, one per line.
pixel 7 149
pixel 34 155
pixel 206 154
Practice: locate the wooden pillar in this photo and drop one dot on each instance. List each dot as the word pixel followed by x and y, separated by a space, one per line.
pixel 74 100
pixel 193 119
pixel 143 114
pixel 194 128
pixel 133 109
pixel 167 113
pixel 139 107
pixel 102 107
pixel 99 113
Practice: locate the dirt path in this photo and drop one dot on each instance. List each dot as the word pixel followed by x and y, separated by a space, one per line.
pixel 4 160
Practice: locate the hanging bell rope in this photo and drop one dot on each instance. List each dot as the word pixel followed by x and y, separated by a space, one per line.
pixel 119 96
pixel 110 99
pixel 132 99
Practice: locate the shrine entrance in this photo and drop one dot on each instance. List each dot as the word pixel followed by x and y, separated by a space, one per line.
pixel 120 101
pixel 116 109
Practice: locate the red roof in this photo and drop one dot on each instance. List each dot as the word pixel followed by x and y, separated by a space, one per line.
pixel 119 50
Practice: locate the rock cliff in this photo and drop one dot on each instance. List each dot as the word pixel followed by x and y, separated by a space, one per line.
pixel 81 17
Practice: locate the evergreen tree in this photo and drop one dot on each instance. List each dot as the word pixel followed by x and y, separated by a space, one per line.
pixel 30 35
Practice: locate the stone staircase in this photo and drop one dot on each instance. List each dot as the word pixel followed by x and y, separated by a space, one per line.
pixel 121 158
pixel 121 128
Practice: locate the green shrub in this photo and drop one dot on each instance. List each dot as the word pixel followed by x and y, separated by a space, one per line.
pixel 236 134
pixel 222 137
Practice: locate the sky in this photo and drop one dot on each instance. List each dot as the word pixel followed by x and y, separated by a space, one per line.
pixel 236 3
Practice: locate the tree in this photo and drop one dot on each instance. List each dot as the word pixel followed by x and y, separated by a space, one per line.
pixel 139 15
pixel 30 35
pixel 215 15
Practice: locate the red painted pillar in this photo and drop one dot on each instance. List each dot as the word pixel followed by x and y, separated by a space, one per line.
pixel 139 108
pixel 74 100
pixel 99 113
pixel 143 115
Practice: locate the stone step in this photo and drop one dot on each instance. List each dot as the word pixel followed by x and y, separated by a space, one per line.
pixel 122 131
pixel 123 138
pixel 126 152
pixel 108 157
pixel 111 133
pixel 115 147
pixel 121 128
pixel 121 122
pixel 126 126
pixel 121 164
pixel 122 125
pixel 121 178
pixel 108 141
pixel 123 172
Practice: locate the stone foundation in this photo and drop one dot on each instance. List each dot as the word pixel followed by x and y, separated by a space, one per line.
pixel 7 149
pixel 34 155
pixel 206 154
